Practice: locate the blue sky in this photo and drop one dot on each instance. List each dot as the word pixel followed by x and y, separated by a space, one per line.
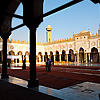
pixel 82 16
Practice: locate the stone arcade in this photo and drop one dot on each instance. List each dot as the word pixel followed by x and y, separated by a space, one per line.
pixel 82 47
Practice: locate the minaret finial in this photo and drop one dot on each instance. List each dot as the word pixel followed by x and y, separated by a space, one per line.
pixel 99 29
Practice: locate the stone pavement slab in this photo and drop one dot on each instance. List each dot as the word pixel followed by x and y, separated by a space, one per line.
pixel 82 91
pixel 9 91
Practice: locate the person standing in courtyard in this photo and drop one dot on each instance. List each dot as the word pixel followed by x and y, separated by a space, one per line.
pixel 49 65
pixel 24 63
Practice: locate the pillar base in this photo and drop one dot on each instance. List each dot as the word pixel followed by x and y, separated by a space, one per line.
pixel 4 76
pixel 33 83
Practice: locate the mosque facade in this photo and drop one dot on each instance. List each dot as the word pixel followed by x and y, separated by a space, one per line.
pixel 82 47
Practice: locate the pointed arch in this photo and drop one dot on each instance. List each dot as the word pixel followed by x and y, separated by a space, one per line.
pixel 71 55
pixel 94 56
pixel 63 55
pixel 57 55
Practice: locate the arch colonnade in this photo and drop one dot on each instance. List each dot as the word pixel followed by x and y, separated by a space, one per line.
pixel 82 47
pixel 57 56
pixel 71 56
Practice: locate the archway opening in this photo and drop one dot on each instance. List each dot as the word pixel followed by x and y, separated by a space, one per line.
pixel 57 56
pixel 94 55
pixel 71 55
pixel 40 56
pixel 27 56
pixel 63 55
pixel 12 53
pixel 20 57
pixel 81 55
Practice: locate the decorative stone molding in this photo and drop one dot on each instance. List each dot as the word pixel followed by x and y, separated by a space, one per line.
pixel 11 47
pixel 70 46
pixel 93 43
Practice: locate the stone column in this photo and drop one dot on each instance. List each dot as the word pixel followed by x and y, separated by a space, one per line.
pixel 32 82
pixel 42 58
pixel 89 57
pixel 86 57
pixel 77 57
pixel 4 65
pixel 32 10
pixel 39 58
pixel 54 58
pixel 16 58
pixel 60 57
pixel 67 57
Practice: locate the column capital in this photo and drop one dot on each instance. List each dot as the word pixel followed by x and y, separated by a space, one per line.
pixel 31 12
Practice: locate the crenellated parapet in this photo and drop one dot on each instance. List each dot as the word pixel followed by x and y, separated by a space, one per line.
pixel 94 36
pixel 15 41
pixel 56 41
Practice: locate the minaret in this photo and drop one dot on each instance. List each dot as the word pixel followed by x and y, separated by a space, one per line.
pixel 49 33
pixel 99 30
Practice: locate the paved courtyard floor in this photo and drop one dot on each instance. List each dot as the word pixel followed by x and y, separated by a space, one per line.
pixel 67 64
pixel 82 91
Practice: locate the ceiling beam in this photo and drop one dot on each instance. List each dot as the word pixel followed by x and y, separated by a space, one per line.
pixel 95 1
pixel 14 15
pixel 61 8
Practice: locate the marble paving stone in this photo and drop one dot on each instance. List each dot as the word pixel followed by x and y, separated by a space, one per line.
pixel 82 91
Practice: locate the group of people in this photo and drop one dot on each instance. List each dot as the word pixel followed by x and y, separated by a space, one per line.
pixel 48 65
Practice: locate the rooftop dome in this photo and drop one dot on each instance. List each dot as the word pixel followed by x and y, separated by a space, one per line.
pixel 84 31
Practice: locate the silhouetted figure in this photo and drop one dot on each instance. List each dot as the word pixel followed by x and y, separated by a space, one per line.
pixel 53 62
pixel 24 63
pixel 49 65
pixel 9 63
